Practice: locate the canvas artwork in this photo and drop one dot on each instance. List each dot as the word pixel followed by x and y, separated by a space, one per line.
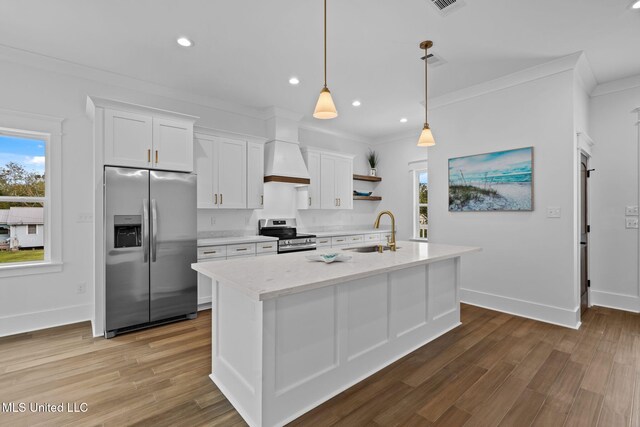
pixel 499 181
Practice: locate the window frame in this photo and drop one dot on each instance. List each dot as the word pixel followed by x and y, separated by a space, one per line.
pixel 49 130
pixel 417 205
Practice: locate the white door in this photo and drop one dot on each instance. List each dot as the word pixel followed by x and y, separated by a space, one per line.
pixel 328 197
pixel 255 175
pixel 344 183
pixel 204 167
pixel 313 166
pixel 127 139
pixel 172 145
pixel 232 173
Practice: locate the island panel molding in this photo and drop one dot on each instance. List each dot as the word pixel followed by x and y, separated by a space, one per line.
pixel 276 358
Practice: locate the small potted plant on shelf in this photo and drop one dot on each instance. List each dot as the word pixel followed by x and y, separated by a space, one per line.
pixel 372 159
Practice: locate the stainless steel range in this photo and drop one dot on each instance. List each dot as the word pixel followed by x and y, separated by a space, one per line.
pixel 288 238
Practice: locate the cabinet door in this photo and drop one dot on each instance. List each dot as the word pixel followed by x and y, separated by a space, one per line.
pixel 232 173
pixel 172 145
pixel 328 197
pixel 127 139
pixel 344 183
pixel 313 165
pixel 204 167
pixel 255 175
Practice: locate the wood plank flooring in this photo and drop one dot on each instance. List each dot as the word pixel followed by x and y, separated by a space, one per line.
pixel 494 370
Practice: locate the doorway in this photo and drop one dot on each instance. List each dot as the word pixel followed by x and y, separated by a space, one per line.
pixel 584 232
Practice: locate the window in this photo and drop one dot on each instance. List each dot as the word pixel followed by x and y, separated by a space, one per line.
pixel 30 193
pixel 22 196
pixel 421 200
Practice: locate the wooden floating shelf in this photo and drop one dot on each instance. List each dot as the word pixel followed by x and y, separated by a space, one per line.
pixel 367 178
pixel 371 198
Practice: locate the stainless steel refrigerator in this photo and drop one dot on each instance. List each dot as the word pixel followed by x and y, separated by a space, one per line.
pixel 150 220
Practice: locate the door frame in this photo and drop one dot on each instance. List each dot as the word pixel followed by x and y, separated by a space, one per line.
pixel 584 146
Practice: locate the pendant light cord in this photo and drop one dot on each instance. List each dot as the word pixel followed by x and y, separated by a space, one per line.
pixel 325 44
pixel 426 68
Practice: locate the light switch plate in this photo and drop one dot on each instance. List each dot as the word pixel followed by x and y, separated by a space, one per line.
pixel 631 211
pixel 631 222
pixel 553 212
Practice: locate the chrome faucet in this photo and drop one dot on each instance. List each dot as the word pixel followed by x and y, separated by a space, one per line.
pixel 392 241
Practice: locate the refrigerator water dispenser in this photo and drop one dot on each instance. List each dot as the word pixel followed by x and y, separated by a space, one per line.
pixel 128 231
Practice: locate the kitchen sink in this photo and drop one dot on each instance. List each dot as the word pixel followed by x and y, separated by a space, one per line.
pixel 366 249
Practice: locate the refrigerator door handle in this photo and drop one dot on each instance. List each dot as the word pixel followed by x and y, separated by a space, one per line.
pixel 145 230
pixel 154 230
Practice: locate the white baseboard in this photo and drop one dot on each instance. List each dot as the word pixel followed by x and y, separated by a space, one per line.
pixel 28 322
pixel 613 300
pixel 544 313
pixel 204 303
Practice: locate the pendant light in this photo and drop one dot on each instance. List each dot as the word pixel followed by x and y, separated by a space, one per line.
pixel 426 137
pixel 325 108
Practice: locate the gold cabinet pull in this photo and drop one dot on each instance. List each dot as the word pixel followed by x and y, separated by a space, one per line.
pixel 267 247
pixel 262 202
pixel 210 252
pixel 156 156
pixel 216 199
pixel 309 201
pixel 149 155
pixel 220 198
pixel 241 249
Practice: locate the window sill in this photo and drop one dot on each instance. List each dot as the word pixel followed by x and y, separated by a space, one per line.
pixel 30 268
pixel 418 239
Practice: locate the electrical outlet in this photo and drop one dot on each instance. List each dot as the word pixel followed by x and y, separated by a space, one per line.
pixel 631 211
pixel 82 288
pixel 553 212
pixel 631 222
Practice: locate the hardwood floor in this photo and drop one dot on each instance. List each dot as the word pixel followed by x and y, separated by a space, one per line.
pixel 495 369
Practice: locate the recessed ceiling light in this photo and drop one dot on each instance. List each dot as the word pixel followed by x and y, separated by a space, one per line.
pixel 636 5
pixel 403 120
pixel 184 42
pixel 294 81
pixel 356 103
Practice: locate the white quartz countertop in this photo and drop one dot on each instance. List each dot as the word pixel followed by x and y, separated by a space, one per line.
pixel 347 232
pixel 235 240
pixel 263 278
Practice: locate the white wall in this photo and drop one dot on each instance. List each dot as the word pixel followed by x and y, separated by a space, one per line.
pixel 614 185
pixel 39 301
pixel 527 263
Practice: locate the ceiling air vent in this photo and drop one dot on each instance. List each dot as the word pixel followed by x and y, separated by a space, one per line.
pixel 447 6
pixel 435 60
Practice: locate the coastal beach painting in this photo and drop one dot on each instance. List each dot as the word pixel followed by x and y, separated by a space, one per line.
pixel 499 181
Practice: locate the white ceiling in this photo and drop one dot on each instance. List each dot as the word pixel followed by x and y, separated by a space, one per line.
pixel 246 50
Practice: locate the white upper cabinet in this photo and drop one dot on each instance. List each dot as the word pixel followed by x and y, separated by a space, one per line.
pixel 221 165
pixel 331 184
pixel 344 182
pixel 232 173
pixel 172 145
pixel 328 195
pixel 255 175
pixel 144 137
pixel 313 166
pixel 128 139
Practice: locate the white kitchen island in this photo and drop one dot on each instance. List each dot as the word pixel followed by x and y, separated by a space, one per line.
pixel 288 333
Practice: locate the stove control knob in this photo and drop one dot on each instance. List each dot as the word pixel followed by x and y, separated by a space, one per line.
pixel 287 242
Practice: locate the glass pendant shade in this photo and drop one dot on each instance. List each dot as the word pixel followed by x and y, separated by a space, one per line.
pixel 426 137
pixel 325 108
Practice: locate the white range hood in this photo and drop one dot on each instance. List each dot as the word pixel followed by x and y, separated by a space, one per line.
pixel 283 160
pixel 284 163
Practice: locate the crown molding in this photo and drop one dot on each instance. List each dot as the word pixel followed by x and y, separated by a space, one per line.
pixel 94 101
pixel 49 63
pixel 584 74
pixel 540 71
pixel 617 86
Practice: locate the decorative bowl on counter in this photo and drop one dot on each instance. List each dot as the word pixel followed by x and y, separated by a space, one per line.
pixel 329 257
